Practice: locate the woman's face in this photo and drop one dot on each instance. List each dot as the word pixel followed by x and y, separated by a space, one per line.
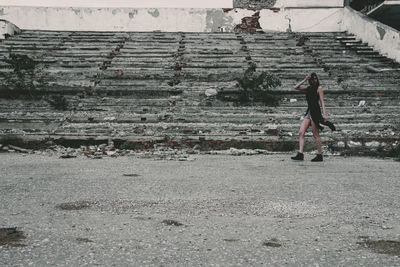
pixel 313 79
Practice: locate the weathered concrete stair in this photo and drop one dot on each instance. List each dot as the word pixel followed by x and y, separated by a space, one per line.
pixel 150 87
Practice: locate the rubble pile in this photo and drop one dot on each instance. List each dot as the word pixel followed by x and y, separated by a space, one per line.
pixel 107 151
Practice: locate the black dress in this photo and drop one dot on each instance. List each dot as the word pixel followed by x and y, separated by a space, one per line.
pixel 312 97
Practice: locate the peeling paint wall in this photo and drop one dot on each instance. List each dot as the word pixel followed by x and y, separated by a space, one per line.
pixel 107 19
pixel 7 28
pixel 302 20
pixel 286 3
pixel 309 3
pixel 254 3
pixel 172 20
pixel 121 3
pixel 383 38
pixel 218 21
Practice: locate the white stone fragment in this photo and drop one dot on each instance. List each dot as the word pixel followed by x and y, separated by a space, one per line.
pixel 211 92
pixel 362 103
pixel 340 144
pixel 373 144
pixel 354 144
pixel 109 118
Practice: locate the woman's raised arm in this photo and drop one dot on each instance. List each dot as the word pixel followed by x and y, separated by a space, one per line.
pixel 299 87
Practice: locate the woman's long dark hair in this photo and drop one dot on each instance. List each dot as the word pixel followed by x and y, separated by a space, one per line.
pixel 311 80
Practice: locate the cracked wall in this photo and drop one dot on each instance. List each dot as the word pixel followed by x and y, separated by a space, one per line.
pixel 259 4
pixel 218 21
pixel 254 3
pixel 173 20
pixel 7 29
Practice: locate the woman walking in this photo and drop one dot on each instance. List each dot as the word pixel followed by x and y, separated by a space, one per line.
pixel 313 116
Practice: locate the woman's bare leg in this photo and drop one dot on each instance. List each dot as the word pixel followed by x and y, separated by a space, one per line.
pixel 303 128
pixel 315 131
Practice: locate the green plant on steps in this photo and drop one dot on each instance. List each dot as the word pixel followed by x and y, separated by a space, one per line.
pixel 26 77
pixel 394 152
pixel 255 87
pixel 58 102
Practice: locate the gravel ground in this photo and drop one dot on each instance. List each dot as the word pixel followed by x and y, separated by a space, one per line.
pixel 217 210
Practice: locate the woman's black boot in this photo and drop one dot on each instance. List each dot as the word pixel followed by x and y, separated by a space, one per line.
pixel 299 156
pixel 330 125
pixel 317 158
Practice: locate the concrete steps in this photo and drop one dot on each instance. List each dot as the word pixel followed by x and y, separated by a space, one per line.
pixel 151 87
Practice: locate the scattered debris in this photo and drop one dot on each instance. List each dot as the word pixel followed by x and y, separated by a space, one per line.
pixel 374 144
pixel 238 152
pixel 112 118
pixel 354 144
pixel 19 149
pixel 119 73
pixel 272 132
pixel 376 70
pixel 211 92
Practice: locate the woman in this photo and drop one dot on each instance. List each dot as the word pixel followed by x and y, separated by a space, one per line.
pixel 313 117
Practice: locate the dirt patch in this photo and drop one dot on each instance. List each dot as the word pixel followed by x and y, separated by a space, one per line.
pixel 388 247
pixel 231 240
pixel 172 222
pixel 272 243
pixel 131 174
pixel 78 205
pixel 140 218
pixel 84 240
pixel 11 237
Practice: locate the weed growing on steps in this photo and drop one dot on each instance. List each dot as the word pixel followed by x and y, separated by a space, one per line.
pixel 255 87
pixel 58 102
pixel 27 79
pixel 394 152
pixel 27 76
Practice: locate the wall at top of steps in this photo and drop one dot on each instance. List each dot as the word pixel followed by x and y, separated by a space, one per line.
pixel 176 3
pixel 122 3
pixel 7 29
pixel 173 19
